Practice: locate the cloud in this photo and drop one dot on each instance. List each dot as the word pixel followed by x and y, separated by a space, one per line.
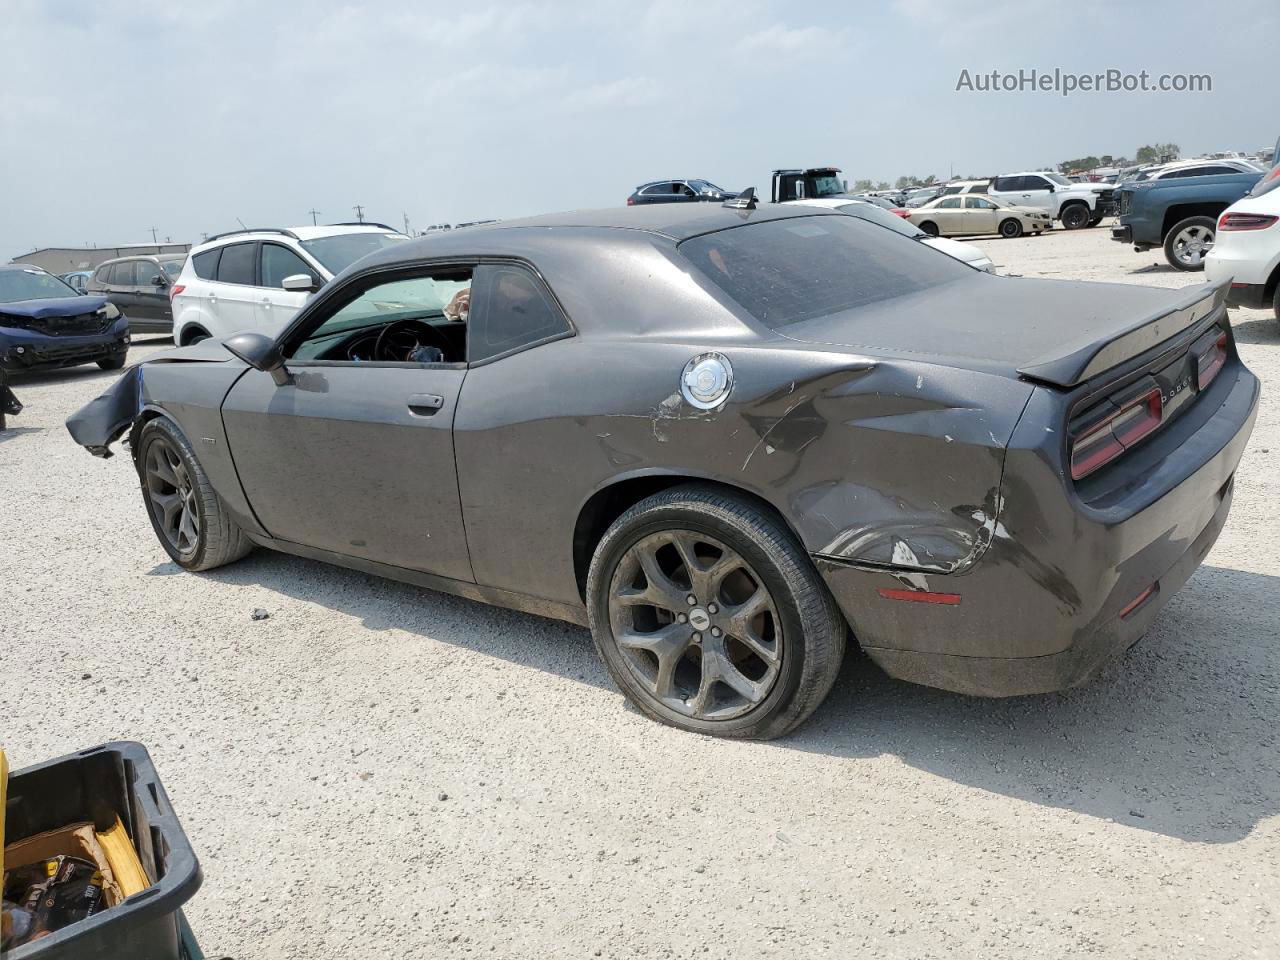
pixel 779 39
pixel 624 92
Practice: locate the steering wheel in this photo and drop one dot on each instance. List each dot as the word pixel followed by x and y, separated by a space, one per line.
pixel 399 339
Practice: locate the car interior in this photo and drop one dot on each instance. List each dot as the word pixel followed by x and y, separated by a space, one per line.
pixel 428 319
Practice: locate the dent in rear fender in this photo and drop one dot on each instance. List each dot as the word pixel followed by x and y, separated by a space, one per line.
pixel 896 467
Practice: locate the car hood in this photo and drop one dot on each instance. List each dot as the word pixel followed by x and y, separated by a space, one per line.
pixel 55 307
pixel 961 251
pixel 994 324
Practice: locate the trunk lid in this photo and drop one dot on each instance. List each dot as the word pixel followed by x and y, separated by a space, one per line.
pixel 1055 332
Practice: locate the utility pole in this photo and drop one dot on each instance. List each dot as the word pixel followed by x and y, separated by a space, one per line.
pixel 359 212
pixel 153 236
pixel 314 213
pixel 406 226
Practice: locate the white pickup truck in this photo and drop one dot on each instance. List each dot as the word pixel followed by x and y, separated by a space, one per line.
pixel 1075 204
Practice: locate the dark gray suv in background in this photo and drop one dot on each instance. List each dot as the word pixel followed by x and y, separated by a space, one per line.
pixel 140 287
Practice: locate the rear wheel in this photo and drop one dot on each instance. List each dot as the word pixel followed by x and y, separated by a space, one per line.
pixel 930 228
pixel 1075 215
pixel 711 618
pixel 193 335
pixel 1094 221
pixel 1276 303
pixel 189 518
pixel 1189 242
pixel 1010 228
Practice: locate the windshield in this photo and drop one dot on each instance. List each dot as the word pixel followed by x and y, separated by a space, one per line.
pixel 172 267
pixel 704 186
pixel 826 184
pixel 1058 179
pixel 339 252
pixel 28 284
pixel 785 271
pixel 885 219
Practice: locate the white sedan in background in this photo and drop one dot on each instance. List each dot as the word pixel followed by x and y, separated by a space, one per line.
pixel 967 252
pixel 1246 248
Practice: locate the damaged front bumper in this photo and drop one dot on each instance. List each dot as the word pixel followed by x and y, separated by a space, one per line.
pixel 22 349
pixel 105 419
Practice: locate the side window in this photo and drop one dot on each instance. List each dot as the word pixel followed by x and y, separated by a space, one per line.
pixel 1035 183
pixel 206 264
pixel 979 187
pixel 350 330
pixel 950 190
pixel 512 309
pixel 685 190
pixel 122 274
pixel 148 270
pixel 976 203
pixel 237 264
pixel 103 275
pixel 950 203
pixel 1005 184
pixel 658 189
pixel 279 262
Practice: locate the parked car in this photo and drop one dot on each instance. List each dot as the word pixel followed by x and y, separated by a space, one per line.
pixel 258 279
pixel 975 215
pixel 721 438
pixel 1075 204
pixel 965 186
pixel 77 280
pixel 44 323
pixel 1246 251
pixel 969 253
pixel 922 195
pixel 678 191
pixel 799 183
pixel 871 198
pixel 1179 214
pixel 140 287
pixel 1179 169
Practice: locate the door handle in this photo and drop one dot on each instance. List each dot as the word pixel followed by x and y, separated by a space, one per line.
pixel 265 302
pixel 212 295
pixel 425 404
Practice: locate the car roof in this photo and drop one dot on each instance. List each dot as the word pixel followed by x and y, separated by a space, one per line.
pixel 308 232
pixel 671 222
pixel 22 266
pixel 141 256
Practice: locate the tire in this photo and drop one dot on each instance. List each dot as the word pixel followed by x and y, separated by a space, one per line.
pixel 114 362
pixel 930 228
pixel 194 337
pixel 1011 228
pixel 213 538
pixel 1075 215
pixel 1094 221
pixel 1188 242
pixel 743 554
pixel 1275 304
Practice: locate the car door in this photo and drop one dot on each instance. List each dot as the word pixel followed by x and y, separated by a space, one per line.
pixel 232 299
pixel 948 214
pixel 1036 192
pixel 350 456
pixel 277 306
pixel 122 287
pixel 152 298
pixel 979 215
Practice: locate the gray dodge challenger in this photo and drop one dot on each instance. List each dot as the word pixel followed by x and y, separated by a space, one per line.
pixel 727 439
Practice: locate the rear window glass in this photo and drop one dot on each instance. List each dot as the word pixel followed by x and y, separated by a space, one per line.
pixel 238 264
pixel 786 271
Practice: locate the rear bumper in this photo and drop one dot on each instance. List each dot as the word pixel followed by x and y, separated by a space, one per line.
pixel 22 349
pixel 1122 233
pixel 1053 597
pixel 1252 295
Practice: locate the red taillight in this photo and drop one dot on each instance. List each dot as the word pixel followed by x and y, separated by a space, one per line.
pixel 902 212
pixel 631 201
pixel 1245 221
pixel 1210 360
pixel 176 289
pixel 1120 430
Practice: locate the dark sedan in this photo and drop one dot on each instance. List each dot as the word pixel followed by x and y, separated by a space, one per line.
pixel 678 191
pixel 44 323
pixel 727 439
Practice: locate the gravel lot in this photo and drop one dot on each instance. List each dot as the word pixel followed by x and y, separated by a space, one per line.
pixel 380 770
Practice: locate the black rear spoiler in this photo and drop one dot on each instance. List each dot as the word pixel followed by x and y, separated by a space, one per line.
pixel 1079 361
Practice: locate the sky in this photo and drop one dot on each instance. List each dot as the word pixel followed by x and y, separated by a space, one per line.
pixel 185 115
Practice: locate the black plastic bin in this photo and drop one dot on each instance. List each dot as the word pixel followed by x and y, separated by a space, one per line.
pixel 97 784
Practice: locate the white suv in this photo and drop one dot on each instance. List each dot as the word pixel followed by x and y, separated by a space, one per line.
pixel 1075 204
pixel 1246 248
pixel 258 279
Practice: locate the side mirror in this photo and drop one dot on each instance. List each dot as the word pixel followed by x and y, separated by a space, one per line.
pixel 159 281
pixel 301 282
pixel 259 352
pixel 1051 188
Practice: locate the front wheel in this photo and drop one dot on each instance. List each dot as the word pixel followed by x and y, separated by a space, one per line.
pixel 711 618
pixel 189 518
pixel 1189 242
pixel 1011 228
pixel 1075 216
pixel 113 362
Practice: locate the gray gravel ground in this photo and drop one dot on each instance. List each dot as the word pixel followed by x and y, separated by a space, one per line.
pixel 380 770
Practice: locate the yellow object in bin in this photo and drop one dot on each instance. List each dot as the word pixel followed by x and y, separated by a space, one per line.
pixel 123 859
